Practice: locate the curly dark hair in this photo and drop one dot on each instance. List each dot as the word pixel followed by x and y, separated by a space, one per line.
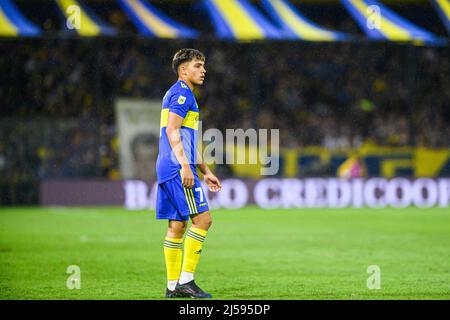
pixel 185 55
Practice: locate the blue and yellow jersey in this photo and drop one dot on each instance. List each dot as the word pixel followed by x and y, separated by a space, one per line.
pixel 178 99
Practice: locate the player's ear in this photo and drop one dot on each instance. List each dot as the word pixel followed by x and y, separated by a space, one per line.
pixel 183 69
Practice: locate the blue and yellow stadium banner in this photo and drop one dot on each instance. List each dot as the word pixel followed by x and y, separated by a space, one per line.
pixel 443 9
pixel 153 23
pixel 381 23
pixel 80 19
pixel 379 161
pixel 296 25
pixel 13 23
pixel 239 20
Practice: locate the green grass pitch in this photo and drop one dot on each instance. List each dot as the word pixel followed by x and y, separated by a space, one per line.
pixel 249 253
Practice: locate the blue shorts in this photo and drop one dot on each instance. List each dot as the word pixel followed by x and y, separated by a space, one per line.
pixel 174 202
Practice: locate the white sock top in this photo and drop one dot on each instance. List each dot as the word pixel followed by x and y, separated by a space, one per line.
pixel 185 277
pixel 171 284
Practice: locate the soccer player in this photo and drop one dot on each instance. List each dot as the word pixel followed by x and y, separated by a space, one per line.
pixel 180 195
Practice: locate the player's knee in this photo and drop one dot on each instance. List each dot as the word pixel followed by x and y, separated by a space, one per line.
pixel 182 229
pixel 202 221
pixel 206 222
pixel 177 229
pixel 209 222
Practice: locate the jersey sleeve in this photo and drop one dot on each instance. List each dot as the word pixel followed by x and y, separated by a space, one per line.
pixel 181 102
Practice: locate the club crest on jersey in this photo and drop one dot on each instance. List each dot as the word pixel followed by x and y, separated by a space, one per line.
pixel 181 99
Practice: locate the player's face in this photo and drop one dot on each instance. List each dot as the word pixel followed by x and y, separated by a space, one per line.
pixel 195 71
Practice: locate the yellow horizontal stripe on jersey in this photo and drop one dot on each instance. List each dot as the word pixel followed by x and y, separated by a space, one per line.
pixel 240 22
pixel 388 28
pixel 88 27
pixel 190 121
pixel 7 28
pixel 301 28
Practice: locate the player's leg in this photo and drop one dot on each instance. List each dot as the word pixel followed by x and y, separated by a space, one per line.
pixel 173 251
pixel 189 203
pixel 173 242
pixel 193 245
pixel 201 221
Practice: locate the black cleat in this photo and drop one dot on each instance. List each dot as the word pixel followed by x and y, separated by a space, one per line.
pixel 190 290
pixel 170 293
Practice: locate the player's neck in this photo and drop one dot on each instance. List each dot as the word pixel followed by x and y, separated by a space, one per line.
pixel 190 85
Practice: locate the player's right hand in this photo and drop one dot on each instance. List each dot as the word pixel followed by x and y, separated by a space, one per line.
pixel 187 177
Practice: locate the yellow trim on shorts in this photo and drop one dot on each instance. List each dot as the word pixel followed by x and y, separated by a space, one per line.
pixel 190 199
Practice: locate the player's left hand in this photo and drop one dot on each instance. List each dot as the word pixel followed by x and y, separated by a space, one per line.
pixel 212 182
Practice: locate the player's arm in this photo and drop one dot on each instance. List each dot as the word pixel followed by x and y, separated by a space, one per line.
pixel 173 134
pixel 211 180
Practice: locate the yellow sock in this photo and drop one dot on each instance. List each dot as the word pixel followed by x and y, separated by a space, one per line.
pixel 192 248
pixel 173 253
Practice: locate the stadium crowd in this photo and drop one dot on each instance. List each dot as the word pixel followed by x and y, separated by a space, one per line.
pixel 58 97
